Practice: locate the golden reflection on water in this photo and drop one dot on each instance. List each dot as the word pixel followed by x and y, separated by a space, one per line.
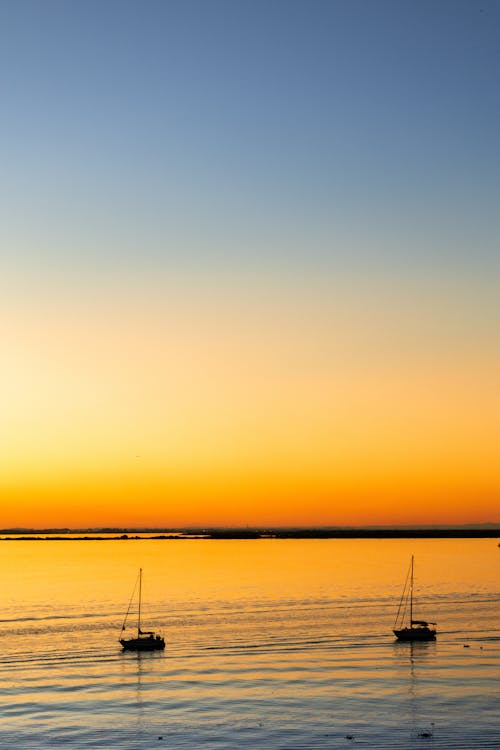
pixel 61 574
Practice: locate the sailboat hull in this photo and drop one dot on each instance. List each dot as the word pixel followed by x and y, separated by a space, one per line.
pixel 143 644
pixel 415 634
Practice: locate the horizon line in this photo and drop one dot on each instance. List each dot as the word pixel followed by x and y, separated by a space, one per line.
pixel 243 527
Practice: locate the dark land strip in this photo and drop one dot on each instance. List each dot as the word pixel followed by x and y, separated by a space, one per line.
pixel 487 532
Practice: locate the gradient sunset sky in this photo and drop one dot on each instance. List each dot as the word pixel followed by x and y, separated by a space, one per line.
pixel 249 262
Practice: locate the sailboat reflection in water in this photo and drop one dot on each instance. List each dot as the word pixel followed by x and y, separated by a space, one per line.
pixel 416 630
pixel 146 640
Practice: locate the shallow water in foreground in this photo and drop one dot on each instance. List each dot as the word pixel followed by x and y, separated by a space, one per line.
pixel 270 644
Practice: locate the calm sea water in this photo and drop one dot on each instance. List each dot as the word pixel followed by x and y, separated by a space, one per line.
pixel 270 644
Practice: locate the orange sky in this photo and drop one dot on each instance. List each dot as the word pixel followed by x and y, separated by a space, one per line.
pixel 201 404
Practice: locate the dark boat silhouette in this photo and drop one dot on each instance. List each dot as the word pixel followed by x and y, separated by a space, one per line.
pixel 146 640
pixel 415 630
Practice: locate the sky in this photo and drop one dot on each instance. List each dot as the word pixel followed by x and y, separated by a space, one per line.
pixel 249 266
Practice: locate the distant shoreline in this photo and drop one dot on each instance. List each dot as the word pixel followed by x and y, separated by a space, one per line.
pixel 486 532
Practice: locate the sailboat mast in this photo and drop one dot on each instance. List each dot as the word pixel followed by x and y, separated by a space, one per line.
pixel 139 611
pixel 411 593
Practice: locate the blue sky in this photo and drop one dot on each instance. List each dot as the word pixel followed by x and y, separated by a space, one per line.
pixel 161 134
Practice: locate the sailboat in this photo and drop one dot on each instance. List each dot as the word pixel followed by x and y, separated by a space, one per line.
pixel 146 640
pixel 416 630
